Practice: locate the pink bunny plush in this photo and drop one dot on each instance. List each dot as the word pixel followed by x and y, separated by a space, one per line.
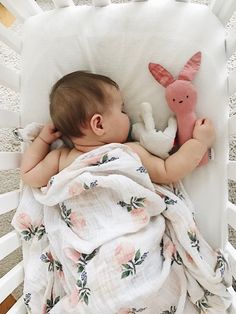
pixel 181 96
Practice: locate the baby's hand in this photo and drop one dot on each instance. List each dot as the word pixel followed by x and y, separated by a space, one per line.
pixel 49 134
pixel 204 131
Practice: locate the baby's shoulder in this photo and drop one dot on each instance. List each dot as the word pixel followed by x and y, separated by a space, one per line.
pixel 67 156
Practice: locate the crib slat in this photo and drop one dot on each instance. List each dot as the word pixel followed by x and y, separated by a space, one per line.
pixel 232 125
pixel 223 9
pixel 9 243
pixel 231 41
pixel 231 215
pixel 9 201
pixel 63 3
pixel 9 78
pixel 232 170
pixel 9 160
pixel 22 9
pixel 9 119
pixel 101 3
pixel 11 280
pixel 18 307
pixel 232 309
pixel 232 257
pixel 232 82
pixel 10 38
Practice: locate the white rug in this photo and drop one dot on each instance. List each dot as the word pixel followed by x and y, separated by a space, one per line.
pixel 9 180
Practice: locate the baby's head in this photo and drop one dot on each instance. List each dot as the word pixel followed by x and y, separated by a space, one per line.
pixel 89 105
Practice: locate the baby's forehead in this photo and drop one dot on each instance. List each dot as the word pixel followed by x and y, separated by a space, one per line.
pixel 112 92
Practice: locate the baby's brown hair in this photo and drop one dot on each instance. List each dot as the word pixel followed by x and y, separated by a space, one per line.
pixel 75 98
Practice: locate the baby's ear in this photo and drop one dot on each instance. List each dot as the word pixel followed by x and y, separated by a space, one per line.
pixel 161 74
pixel 191 67
pixel 97 124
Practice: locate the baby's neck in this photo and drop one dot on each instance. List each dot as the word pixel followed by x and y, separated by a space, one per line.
pixel 85 144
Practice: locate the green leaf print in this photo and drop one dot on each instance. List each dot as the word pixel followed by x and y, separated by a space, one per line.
pixel 137 256
pixel 131 310
pixel 172 310
pixel 27 299
pixel 58 265
pixel 202 304
pixel 27 235
pixel 142 169
pixel 135 202
pixel 91 185
pixel 169 201
pixel 221 263
pixel 129 269
pixel 194 241
pixel 104 159
pixel 48 259
pixel 65 213
pixel 32 231
pixel 41 231
pixel 177 258
pixel 84 259
pixel 84 292
pixel 52 263
pixel 126 274
pixel 50 303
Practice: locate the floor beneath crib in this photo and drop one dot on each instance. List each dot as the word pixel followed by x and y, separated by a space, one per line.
pixel 9 180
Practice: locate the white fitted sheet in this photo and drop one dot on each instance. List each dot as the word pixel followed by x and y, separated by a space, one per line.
pixel 119 41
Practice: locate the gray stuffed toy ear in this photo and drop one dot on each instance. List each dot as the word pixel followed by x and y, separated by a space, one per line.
pixel 157 142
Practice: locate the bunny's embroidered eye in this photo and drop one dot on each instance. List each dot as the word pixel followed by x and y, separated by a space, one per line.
pixel 187 96
pixel 173 99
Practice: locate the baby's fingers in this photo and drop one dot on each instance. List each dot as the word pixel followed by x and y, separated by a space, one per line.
pixel 199 122
pixel 57 134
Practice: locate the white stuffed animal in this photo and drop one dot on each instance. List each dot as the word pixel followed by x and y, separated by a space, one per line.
pixel 158 143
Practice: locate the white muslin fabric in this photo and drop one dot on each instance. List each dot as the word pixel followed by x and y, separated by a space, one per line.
pixel 101 238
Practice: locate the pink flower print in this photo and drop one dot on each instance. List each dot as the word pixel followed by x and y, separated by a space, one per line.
pixel 124 253
pixel 169 249
pixel 75 189
pixel 190 259
pixel 140 215
pixel 77 220
pixel 72 301
pixel 44 309
pixel 72 254
pixel 74 297
pixel 93 160
pixel 126 256
pixel 23 221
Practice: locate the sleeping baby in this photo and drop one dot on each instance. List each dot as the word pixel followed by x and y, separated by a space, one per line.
pixel 89 109
pixel 109 228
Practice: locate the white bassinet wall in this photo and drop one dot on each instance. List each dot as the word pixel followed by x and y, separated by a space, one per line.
pixel 11 160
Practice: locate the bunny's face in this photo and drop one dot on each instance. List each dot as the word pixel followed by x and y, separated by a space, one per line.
pixel 181 96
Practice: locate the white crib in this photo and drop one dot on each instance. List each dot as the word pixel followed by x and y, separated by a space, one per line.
pixel 23 10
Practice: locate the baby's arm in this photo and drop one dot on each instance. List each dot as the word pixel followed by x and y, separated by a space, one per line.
pixel 185 160
pixel 38 164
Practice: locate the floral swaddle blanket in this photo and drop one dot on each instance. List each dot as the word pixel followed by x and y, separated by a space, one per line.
pixel 101 238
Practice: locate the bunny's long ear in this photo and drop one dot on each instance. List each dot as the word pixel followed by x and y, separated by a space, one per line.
pixel 191 67
pixel 161 74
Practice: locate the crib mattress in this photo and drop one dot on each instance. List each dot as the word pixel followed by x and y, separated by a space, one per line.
pixel 120 41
